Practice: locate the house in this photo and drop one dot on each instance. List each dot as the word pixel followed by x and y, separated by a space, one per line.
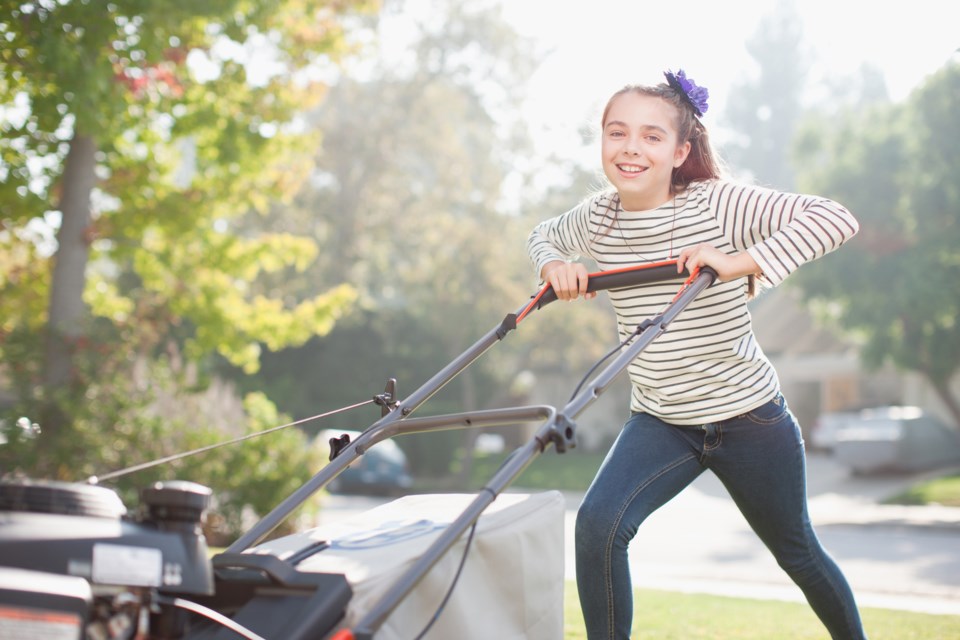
pixel 821 371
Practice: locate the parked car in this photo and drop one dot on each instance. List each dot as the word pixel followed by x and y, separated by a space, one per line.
pixel 823 433
pixel 897 439
pixel 382 470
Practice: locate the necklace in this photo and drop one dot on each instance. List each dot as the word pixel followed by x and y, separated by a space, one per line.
pixel 673 225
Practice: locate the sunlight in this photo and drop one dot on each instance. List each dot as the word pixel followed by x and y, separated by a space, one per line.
pixel 592 49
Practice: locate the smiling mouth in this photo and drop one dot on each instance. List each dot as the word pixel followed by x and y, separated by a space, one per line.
pixel 631 169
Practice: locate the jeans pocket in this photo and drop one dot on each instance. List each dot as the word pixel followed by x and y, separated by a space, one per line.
pixel 769 412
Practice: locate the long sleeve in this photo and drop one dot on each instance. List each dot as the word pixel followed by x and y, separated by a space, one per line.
pixel 709 366
pixel 781 231
pixel 565 237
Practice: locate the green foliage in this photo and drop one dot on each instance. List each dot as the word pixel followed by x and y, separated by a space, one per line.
pixel 183 140
pixel 945 491
pixel 137 412
pixel 570 471
pixel 405 201
pixel 178 156
pixel 210 283
pixel 898 284
pixel 253 477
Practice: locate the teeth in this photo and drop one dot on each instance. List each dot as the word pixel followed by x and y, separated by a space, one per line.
pixel 630 168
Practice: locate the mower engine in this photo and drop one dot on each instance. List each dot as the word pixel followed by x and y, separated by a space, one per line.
pixel 73 565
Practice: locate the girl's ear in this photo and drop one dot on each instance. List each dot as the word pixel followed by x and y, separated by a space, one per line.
pixel 681 153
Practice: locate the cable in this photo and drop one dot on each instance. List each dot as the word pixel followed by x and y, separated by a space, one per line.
pixel 210 614
pixel 636 332
pixel 599 362
pixel 210 447
pixel 456 577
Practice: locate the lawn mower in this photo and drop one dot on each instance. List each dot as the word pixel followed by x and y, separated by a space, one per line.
pixel 75 564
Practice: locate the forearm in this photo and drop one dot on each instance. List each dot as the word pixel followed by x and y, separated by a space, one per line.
pixel 728 266
pixel 550 266
pixel 781 231
pixel 559 239
pixel 742 265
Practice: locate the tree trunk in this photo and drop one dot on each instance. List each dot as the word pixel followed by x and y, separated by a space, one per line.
pixel 942 388
pixel 67 310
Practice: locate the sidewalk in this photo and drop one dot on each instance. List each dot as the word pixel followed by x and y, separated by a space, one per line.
pixel 827 509
pixel 838 497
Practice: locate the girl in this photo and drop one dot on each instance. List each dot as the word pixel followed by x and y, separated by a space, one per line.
pixel 704 396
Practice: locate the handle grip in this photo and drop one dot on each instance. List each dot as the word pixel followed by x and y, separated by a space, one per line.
pixel 623 278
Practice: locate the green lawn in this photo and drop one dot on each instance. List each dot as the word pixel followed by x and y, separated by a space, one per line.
pixel 661 615
pixel 571 471
pixel 945 491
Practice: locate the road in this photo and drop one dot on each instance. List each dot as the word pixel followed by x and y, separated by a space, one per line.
pixel 894 557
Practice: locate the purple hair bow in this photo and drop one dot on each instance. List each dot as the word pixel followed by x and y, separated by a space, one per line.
pixel 695 96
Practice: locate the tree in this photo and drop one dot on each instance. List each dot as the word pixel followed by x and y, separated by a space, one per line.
pixel 135 131
pixel 897 287
pixel 766 110
pixel 411 204
pixel 408 202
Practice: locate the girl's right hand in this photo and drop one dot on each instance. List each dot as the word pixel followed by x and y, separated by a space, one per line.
pixel 568 279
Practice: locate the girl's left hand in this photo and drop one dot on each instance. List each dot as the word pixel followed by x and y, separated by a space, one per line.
pixel 728 267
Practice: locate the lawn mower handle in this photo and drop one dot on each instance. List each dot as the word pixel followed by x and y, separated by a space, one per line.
pixel 616 279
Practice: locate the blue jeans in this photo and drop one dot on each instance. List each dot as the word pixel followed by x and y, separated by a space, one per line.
pixel 759 458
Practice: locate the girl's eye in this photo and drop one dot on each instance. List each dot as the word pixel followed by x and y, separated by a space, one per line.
pixel 653 138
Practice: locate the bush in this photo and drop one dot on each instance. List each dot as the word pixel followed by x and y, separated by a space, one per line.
pixel 130 412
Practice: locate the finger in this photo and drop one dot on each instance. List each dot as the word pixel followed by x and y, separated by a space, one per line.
pixel 693 259
pixel 583 280
pixel 562 287
pixel 553 279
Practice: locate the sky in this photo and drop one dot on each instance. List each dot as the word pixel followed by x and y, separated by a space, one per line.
pixel 594 47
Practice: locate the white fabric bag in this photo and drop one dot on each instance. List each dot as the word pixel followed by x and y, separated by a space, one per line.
pixel 511 587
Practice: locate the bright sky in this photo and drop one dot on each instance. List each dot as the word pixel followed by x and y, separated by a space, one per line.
pixel 597 46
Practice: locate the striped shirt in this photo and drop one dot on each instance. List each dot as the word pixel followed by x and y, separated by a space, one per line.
pixel 707 366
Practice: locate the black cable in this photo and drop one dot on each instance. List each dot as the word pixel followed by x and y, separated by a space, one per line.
pixel 600 362
pixel 456 577
pixel 210 614
pixel 210 447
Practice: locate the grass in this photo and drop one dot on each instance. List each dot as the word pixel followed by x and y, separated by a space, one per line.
pixel 571 471
pixel 662 615
pixel 944 490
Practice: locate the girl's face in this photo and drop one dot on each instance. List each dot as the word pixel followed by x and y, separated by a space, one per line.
pixel 640 149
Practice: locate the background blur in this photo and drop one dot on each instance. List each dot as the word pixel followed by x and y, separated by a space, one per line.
pixel 224 216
